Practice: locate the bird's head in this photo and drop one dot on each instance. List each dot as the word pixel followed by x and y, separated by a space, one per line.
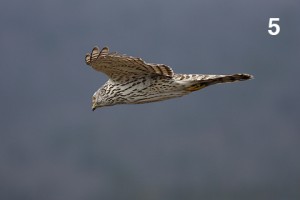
pixel 96 101
pixel 99 100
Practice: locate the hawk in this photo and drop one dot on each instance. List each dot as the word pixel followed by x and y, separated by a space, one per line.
pixel 133 81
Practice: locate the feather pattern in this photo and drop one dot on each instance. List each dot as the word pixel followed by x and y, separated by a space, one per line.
pixel 133 81
pixel 114 63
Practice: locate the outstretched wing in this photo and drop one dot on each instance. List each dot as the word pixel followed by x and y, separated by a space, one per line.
pixel 116 65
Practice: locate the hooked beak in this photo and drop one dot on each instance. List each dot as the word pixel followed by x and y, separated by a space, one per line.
pixel 94 107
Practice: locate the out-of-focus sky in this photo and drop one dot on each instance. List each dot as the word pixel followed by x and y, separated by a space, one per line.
pixel 231 141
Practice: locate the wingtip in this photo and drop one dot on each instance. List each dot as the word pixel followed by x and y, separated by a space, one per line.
pixel 88 58
pixel 104 51
pixel 95 53
pixel 105 48
pixel 96 48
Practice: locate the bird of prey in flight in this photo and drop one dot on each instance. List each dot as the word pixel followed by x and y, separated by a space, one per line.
pixel 134 81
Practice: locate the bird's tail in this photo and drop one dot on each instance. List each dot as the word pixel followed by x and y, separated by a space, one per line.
pixel 206 80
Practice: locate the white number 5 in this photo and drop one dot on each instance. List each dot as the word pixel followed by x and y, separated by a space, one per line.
pixel 276 26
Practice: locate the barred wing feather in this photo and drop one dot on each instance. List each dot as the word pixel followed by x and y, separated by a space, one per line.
pixel 114 64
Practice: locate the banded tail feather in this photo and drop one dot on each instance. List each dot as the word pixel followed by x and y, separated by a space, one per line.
pixel 214 79
pixel 208 80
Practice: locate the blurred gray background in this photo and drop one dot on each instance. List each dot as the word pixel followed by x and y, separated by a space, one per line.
pixel 233 141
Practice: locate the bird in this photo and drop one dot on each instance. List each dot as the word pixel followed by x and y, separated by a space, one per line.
pixel 134 81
